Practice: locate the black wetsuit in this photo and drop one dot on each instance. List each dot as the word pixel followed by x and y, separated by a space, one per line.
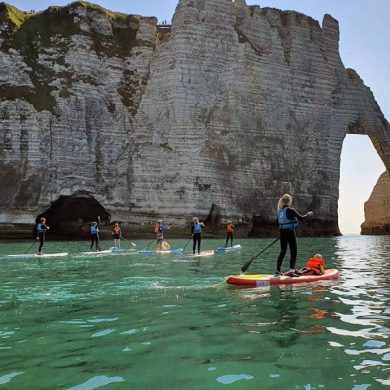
pixel 41 232
pixel 197 238
pixel 288 238
pixel 95 238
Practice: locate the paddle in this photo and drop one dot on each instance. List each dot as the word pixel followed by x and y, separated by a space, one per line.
pixel 132 243
pixel 147 246
pixel 185 246
pixel 30 247
pixel 247 264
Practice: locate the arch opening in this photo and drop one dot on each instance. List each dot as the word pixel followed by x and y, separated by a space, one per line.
pixel 360 168
pixel 71 215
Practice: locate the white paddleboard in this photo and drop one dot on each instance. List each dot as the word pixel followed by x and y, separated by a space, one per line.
pixel 33 255
pixel 209 252
pixel 111 251
pixel 105 252
pixel 229 249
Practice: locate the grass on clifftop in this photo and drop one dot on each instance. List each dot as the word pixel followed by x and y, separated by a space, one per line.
pixel 30 33
pixel 10 14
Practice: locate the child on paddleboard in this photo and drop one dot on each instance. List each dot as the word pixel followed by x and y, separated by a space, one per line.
pixel 229 233
pixel 314 266
pixel 287 220
pixel 196 232
pixel 41 233
pixel 159 229
pixel 116 233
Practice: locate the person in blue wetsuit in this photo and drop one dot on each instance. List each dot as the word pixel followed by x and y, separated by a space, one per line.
pixel 41 233
pixel 287 220
pixel 196 232
pixel 95 234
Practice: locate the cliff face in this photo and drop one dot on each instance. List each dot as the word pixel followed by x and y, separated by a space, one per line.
pixel 233 108
pixel 377 208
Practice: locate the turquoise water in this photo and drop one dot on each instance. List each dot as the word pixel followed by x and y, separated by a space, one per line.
pixel 170 322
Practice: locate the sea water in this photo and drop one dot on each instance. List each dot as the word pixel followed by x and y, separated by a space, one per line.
pixel 133 321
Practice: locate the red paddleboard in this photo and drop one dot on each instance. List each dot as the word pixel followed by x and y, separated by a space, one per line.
pixel 265 280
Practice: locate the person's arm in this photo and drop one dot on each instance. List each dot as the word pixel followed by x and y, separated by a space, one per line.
pixel 292 213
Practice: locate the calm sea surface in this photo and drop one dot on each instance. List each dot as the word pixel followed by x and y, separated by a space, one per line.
pixel 170 322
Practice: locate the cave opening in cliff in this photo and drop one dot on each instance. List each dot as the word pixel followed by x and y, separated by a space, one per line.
pixel 360 168
pixel 71 216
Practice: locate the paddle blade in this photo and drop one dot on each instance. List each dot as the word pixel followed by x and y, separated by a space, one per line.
pixel 132 243
pixel 246 265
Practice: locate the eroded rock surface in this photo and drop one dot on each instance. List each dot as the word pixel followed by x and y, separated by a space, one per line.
pixel 236 106
pixel 377 208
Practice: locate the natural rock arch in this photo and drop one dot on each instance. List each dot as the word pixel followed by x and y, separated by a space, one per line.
pixel 238 105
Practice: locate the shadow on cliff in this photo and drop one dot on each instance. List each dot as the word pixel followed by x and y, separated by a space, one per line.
pixel 70 216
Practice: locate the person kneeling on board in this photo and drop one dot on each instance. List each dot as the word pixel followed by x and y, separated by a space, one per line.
pixel 315 266
pixel 165 246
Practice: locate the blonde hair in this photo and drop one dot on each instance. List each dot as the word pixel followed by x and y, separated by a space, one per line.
pixel 285 200
pixel 195 220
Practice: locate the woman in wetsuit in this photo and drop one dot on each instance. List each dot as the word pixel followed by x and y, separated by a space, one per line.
pixel 196 232
pixel 287 220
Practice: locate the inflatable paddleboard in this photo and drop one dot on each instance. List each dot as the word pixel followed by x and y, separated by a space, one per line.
pixel 154 252
pixel 105 252
pixel 266 280
pixel 112 250
pixel 33 255
pixel 209 252
pixel 228 249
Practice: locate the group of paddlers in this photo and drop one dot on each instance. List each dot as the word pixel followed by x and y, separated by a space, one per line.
pixel 161 245
pixel 287 221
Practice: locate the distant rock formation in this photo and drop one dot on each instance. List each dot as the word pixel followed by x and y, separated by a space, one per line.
pixel 377 208
pixel 232 107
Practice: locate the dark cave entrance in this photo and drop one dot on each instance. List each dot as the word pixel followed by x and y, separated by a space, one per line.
pixel 71 216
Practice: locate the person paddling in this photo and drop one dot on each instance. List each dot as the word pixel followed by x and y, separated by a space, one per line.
pixel 159 229
pixel 229 233
pixel 41 233
pixel 196 232
pixel 95 234
pixel 287 220
pixel 116 233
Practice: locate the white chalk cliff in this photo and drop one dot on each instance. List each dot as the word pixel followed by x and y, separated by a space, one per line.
pixel 233 107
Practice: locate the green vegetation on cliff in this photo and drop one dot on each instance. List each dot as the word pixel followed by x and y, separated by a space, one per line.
pixel 33 35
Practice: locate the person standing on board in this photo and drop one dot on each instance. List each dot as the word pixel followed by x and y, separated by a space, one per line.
pixel 41 232
pixel 116 233
pixel 229 233
pixel 287 220
pixel 159 229
pixel 95 234
pixel 196 232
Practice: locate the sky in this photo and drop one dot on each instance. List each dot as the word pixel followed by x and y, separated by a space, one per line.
pixel 364 46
